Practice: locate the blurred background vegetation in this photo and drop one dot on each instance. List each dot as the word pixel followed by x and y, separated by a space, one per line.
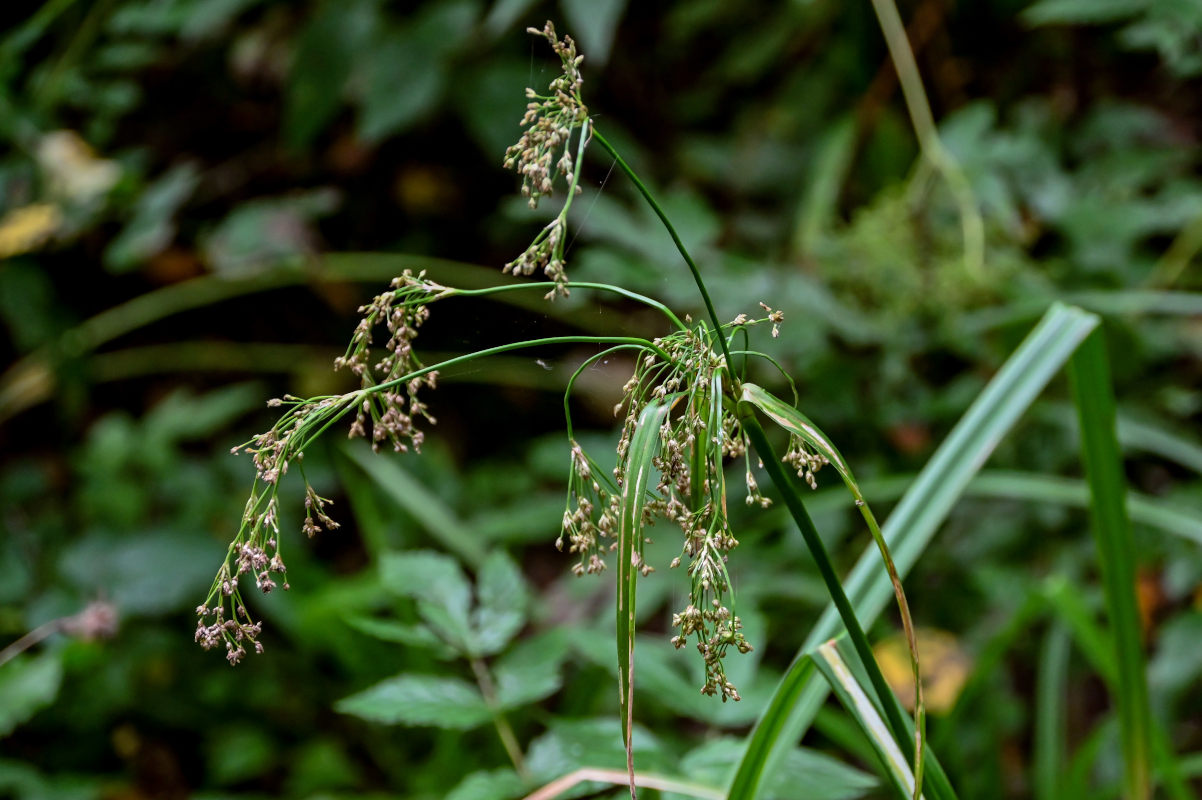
pixel 196 195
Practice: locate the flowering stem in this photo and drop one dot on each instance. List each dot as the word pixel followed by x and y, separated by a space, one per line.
pixel 603 287
pixel 659 212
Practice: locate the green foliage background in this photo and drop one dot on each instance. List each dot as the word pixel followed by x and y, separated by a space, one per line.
pixel 254 170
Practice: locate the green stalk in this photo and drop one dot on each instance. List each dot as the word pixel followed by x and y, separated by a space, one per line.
pixel 936 780
pixel 659 212
pixel 1089 373
pixel 604 287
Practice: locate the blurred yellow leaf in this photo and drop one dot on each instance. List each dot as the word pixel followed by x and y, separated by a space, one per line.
pixel 27 228
pixel 945 668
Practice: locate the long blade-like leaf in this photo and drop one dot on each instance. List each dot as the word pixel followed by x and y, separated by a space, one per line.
pixel 800 426
pixel 860 706
pixel 638 477
pixel 1089 371
pixel 908 530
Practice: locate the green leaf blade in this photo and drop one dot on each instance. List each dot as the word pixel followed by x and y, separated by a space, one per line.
pixel 914 521
pixel 419 700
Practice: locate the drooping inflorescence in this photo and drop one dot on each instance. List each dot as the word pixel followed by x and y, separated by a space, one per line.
pixel 544 153
pixel 386 403
pixel 697 437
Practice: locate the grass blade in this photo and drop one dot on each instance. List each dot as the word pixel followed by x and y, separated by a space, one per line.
pixel 639 472
pixel 1050 721
pixel 799 425
pixel 923 508
pixel 1089 372
pixel 860 706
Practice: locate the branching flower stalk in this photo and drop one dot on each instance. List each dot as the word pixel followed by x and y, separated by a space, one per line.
pixel 683 383
pixel 385 409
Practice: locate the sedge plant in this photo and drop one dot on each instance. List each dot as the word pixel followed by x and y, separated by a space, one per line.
pixel 687 415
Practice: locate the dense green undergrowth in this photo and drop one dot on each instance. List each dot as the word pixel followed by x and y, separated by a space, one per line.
pixel 197 196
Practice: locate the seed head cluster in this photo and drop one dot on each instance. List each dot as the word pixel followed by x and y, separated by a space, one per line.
pixel 392 405
pixel 386 402
pixel 544 153
pixel 695 440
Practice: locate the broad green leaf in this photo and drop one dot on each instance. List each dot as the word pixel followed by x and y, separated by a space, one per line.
pixel 238 753
pixel 419 700
pixel 438 584
pixel 427 508
pixel 502 601
pixel 573 743
pixel 914 521
pixel 638 481
pixel 803 772
pixel 532 670
pixel 497 784
pixel 152 226
pixel 403 83
pixel 1093 393
pixel 390 630
pixel 326 54
pixel 27 685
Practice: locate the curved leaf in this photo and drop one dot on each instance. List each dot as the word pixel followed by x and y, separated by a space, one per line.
pixel 639 475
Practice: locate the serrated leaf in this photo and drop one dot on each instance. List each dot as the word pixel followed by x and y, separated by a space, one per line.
pixel 502 602
pixel 419 700
pixel 26 686
pixel 532 670
pixel 497 784
pixel 438 584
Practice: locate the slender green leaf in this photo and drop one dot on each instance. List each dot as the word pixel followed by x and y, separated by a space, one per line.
pixel 861 707
pixel 419 700
pixel 910 528
pixel 638 478
pixel 1050 719
pixel 1093 394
